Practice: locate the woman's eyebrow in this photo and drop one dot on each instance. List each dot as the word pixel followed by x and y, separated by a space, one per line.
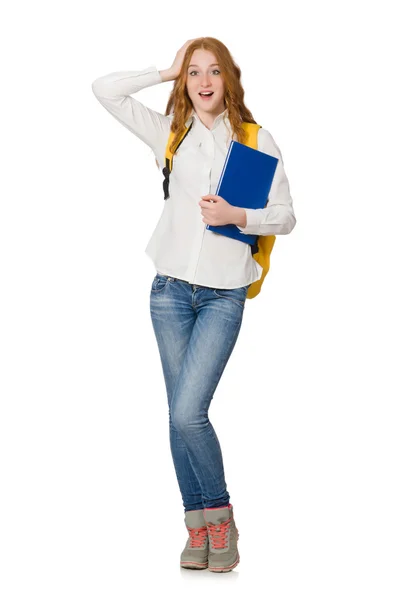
pixel 214 65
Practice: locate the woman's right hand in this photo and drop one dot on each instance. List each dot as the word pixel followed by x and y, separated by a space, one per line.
pixel 175 68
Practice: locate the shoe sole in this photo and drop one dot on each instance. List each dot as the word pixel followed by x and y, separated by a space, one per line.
pixel 193 565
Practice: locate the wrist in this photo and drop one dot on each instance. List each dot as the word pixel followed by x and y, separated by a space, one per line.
pixel 167 75
pixel 240 217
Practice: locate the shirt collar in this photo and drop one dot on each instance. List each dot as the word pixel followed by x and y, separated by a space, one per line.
pixel 194 115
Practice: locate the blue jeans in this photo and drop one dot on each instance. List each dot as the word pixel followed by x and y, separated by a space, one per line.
pixel 196 328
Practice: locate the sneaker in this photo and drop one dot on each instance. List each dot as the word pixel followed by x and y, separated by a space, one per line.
pixel 195 553
pixel 222 535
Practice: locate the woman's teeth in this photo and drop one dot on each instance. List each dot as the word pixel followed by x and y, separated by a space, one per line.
pixel 206 95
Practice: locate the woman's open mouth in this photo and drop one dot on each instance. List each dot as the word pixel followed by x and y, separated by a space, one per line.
pixel 206 96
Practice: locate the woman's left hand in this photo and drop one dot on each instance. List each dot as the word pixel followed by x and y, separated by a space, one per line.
pixel 216 210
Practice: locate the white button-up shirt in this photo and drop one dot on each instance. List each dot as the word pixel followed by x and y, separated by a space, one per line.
pixel 181 245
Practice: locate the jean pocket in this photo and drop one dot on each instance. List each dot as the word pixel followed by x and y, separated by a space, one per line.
pixel 159 283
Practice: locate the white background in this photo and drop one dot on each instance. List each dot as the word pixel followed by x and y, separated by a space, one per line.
pixel 306 408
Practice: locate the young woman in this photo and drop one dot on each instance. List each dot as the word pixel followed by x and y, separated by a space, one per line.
pixel 199 291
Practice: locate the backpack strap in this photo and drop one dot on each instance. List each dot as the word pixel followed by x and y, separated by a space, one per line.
pixel 252 130
pixel 169 158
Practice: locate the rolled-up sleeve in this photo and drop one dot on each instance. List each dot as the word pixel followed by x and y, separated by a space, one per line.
pixel 113 92
pixel 278 217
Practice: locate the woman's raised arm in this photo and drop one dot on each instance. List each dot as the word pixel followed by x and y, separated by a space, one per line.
pixel 113 92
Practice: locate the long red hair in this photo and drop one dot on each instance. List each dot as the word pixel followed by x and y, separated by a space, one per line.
pixel 180 104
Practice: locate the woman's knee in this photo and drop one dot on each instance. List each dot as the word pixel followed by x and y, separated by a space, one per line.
pixel 186 421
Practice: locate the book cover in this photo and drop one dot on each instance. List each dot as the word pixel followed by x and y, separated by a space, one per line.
pixel 245 181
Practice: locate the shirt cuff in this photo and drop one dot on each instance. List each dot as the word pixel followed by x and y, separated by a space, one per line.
pixel 254 218
pixel 152 69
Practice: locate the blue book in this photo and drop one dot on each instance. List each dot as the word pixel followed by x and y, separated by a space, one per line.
pixel 245 181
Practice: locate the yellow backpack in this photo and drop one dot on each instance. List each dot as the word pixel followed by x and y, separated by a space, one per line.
pixel 263 246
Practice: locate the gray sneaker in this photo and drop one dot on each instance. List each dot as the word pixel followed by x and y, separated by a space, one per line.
pixel 223 535
pixel 195 553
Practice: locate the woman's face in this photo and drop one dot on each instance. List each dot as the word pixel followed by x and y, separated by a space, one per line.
pixel 204 75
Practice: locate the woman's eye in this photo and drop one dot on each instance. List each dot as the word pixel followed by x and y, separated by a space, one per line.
pixel 191 72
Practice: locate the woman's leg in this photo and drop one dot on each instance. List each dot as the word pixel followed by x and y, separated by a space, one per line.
pixel 173 318
pixel 196 329
pixel 211 342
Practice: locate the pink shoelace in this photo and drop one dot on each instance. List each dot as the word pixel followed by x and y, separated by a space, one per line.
pixel 218 533
pixel 198 535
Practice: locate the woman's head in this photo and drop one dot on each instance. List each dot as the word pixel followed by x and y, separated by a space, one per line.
pixel 204 75
pixel 213 69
